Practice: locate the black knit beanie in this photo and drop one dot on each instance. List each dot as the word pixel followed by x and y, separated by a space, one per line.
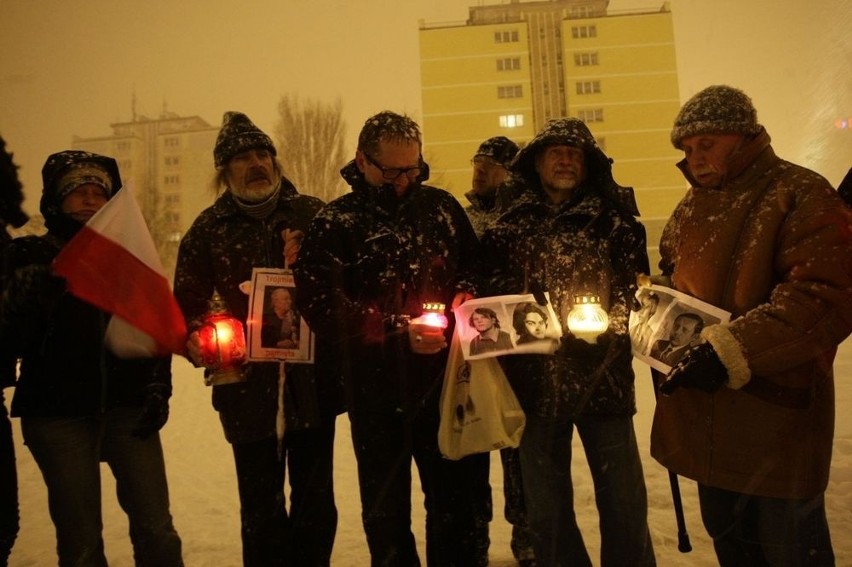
pixel 238 134
pixel 718 109
pixel 499 148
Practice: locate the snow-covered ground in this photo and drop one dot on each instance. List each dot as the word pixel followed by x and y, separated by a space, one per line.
pixel 206 508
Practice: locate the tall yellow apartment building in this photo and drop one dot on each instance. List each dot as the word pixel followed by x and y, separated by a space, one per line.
pixel 512 66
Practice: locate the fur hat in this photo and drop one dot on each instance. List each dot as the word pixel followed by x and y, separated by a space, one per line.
pixel 718 109
pixel 236 135
pixel 499 148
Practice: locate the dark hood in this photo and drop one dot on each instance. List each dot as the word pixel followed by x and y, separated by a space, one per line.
pixel 574 132
pixel 54 168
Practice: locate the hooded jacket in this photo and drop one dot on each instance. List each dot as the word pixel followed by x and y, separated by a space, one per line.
pixel 370 259
pixel 772 246
pixel 590 243
pixel 66 370
pixel 218 252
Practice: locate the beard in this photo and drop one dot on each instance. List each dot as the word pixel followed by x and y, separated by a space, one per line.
pixel 254 189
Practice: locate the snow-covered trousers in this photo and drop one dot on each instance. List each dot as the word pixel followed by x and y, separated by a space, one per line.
pixel 620 494
pixel 385 444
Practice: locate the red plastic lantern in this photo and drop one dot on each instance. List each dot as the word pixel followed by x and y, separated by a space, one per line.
pixel 223 344
pixel 432 316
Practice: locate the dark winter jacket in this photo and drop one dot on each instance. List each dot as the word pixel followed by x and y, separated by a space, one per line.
pixel 370 257
pixel 589 244
pixel 481 212
pixel 66 370
pixel 218 252
pixel 771 245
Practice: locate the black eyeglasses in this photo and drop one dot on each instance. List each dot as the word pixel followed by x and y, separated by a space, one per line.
pixel 392 173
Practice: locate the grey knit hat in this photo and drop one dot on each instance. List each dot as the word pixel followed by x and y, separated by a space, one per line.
pixel 236 135
pixel 499 148
pixel 718 109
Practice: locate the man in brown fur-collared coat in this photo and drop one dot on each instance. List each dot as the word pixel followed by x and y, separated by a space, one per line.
pixel 749 413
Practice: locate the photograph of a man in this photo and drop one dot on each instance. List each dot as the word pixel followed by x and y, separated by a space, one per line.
pixel 641 329
pixel 280 322
pixel 685 331
pixel 490 338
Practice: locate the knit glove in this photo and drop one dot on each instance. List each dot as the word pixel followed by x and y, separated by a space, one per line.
pixel 573 347
pixel 155 411
pixel 699 368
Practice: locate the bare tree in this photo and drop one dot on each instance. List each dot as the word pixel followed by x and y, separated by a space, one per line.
pixel 310 136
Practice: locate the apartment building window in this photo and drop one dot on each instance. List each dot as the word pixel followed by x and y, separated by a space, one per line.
pixel 122 147
pixel 509 64
pixel 171 180
pixel 172 142
pixel 585 59
pixel 588 87
pixel 582 32
pixel 507 36
pixel 595 115
pixel 510 91
pixel 124 165
pixel 511 120
pixel 172 160
pixel 172 199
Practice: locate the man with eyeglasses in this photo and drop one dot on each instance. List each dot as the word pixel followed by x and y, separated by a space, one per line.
pixel 490 170
pixel 369 262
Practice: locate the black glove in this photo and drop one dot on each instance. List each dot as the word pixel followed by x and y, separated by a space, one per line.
pixel 578 348
pixel 155 411
pixel 699 368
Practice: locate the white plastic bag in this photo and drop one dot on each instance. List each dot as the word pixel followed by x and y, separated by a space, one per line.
pixel 479 410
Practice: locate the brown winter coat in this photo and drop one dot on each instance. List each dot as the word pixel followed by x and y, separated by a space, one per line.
pixel 772 246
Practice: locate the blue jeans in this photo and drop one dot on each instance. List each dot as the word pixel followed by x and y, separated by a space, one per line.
pixel 613 456
pixel 68 450
pixel 756 531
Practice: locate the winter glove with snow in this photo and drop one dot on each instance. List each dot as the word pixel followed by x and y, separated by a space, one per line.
pixel 699 368
pixel 155 411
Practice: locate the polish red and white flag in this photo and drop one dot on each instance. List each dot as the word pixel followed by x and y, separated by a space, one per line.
pixel 113 264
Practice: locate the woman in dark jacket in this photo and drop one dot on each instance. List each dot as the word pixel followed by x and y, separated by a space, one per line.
pixel 79 404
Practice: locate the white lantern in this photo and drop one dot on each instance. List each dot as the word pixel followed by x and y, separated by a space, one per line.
pixel 587 319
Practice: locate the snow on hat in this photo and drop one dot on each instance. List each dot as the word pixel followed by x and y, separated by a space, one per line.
pixel 718 109
pixel 238 134
pixel 499 148
pixel 82 173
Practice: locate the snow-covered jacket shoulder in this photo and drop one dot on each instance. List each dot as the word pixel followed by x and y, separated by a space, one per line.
pixel 772 246
pixel 369 255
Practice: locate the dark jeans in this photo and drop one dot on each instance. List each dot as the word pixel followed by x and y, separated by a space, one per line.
pixel 515 509
pixel 270 536
pixel 613 456
pixel 8 486
pixel 384 446
pixel 69 451
pixel 755 531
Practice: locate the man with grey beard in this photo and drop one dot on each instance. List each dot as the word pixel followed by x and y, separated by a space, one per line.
pixel 257 222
